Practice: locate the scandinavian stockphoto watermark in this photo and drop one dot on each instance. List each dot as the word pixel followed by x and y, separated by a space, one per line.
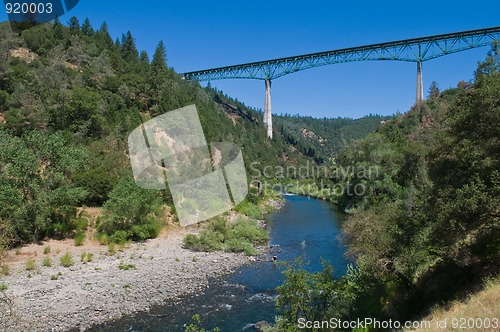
pixel 204 179
pixel 350 180
pixel 37 11
pixel 455 323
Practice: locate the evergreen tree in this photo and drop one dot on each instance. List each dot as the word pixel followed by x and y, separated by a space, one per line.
pixel 159 66
pixel 129 50
pixel 104 36
pixel 87 28
pixel 159 62
pixel 491 64
pixel 433 90
pixel 74 24
pixel 57 28
pixel 144 57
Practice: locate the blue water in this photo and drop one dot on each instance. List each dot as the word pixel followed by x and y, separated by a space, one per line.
pixel 304 227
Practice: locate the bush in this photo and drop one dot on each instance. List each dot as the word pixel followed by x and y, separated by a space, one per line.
pixel 126 267
pixel 79 237
pixel 250 209
pixel 192 242
pixel 236 245
pixel 4 270
pixel 3 287
pixel 248 230
pixel 102 238
pixel 46 250
pixel 80 224
pixel 240 236
pixel 30 265
pixel 195 326
pixel 131 213
pixel 119 237
pixel 111 249
pixel 67 260
pixel 86 257
pixel 149 230
pixel 46 262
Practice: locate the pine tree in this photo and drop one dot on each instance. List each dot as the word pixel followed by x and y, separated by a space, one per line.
pixel 144 57
pixel 87 28
pixel 159 63
pixel 104 36
pixel 58 29
pixel 433 90
pixel 74 24
pixel 129 50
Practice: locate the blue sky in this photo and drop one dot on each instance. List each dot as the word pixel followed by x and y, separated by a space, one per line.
pixel 207 34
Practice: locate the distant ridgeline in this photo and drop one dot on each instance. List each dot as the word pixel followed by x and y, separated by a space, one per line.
pixel 322 139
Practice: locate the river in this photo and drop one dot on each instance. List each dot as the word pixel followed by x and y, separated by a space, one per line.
pixel 303 227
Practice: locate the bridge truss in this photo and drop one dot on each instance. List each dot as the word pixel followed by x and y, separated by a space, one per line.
pixel 411 50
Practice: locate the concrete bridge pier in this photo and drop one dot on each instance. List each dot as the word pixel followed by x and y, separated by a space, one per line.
pixel 268 116
pixel 420 89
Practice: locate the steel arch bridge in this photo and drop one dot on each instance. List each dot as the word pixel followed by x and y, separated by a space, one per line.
pixel 410 50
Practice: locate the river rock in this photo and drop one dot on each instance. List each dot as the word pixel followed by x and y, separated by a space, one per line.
pixel 260 326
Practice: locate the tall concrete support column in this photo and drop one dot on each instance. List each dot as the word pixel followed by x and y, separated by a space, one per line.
pixel 268 116
pixel 420 90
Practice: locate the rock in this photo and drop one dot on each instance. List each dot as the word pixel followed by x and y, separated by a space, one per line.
pixel 260 326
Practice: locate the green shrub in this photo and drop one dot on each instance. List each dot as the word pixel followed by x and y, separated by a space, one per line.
pixel 249 209
pixel 131 213
pixel 237 245
pixel 211 241
pixel 111 249
pixel 240 236
pixel 86 257
pixel 54 277
pixel 192 242
pixel 195 326
pixel 126 267
pixel 46 250
pixel 46 262
pixel 3 287
pixel 248 230
pixel 30 265
pixel 67 260
pixel 81 224
pixel 119 237
pixel 79 237
pixel 149 230
pixel 4 270
pixel 102 238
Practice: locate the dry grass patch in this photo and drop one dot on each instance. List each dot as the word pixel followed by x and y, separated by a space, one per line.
pixel 483 304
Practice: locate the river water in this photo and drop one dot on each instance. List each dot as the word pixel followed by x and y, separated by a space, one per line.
pixel 303 227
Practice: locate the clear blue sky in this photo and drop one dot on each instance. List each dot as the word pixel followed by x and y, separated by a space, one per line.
pixel 207 34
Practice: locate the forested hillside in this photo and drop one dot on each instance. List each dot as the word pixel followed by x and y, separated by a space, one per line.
pixel 426 227
pixel 70 96
pixel 324 138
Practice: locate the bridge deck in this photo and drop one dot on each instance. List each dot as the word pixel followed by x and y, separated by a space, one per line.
pixel 413 50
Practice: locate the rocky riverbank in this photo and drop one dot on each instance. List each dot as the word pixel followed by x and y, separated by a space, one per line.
pixel 133 279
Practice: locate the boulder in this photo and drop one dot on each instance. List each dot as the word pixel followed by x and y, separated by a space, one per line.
pixel 260 326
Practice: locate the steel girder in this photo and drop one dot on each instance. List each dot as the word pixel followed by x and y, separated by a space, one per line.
pixel 413 50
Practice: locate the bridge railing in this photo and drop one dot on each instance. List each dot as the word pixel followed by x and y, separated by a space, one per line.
pixel 412 50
